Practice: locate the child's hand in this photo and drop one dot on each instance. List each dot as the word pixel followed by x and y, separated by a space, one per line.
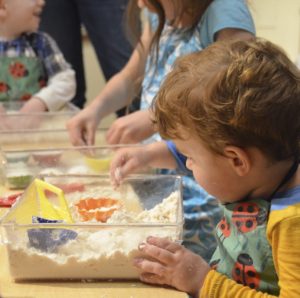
pixel 130 129
pixel 127 161
pixel 34 105
pixel 82 127
pixel 169 263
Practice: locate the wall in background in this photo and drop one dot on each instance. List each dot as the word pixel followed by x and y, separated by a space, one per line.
pixel 276 20
pixel 93 74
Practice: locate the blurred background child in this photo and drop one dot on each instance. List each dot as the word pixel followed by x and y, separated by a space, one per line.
pixel 172 29
pixel 239 132
pixel 33 71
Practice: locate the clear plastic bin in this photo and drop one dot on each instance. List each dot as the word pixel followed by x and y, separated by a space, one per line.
pixel 42 139
pixel 151 206
pixel 19 167
pixel 14 121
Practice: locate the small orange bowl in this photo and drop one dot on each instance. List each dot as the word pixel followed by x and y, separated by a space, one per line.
pixel 100 209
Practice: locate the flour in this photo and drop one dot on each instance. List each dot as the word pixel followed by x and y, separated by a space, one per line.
pixel 99 251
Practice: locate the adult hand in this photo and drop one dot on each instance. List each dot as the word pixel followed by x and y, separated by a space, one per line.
pixel 82 127
pixel 126 161
pixel 169 263
pixel 131 129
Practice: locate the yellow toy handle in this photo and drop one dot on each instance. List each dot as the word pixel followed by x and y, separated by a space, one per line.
pixel 49 210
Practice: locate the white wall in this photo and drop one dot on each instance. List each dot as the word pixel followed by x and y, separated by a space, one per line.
pixel 94 78
pixel 278 21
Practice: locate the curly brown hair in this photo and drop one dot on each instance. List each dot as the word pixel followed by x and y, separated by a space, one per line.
pixel 242 93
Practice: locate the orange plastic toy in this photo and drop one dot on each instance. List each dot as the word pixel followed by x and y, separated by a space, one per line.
pixel 100 209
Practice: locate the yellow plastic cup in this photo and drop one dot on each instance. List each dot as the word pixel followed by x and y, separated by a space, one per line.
pixel 98 164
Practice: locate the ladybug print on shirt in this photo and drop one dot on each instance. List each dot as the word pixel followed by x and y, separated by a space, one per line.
pixel 224 227
pixel 244 272
pixel 247 216
pixel 22 77
pixel 4 88
pixel 18 70
pixel 244 253
pixel 26 96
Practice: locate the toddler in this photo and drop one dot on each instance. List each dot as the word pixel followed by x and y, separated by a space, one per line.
pixel 232 111
pixel 33 70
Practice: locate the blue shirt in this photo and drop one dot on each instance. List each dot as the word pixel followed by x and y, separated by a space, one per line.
pixel 176 42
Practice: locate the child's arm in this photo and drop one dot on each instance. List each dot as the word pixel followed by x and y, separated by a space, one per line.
pixel 132 159
pixel 168 263
pixel 117 93
pixel 284 236
pixel 34 104
pixel 217 285
pixel 61 85
pixel 59 90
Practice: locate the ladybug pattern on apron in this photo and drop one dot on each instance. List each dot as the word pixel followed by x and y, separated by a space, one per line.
pixel 20 78
pixel 244 253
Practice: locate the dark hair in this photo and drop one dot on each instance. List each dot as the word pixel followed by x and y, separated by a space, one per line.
pixel 194 8
pixel 242 93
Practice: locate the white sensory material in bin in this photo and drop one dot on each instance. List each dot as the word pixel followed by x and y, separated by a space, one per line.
pixel 103 254
pixel 99 251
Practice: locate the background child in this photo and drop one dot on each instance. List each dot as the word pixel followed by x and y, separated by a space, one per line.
pixel 33 70
pixel 174 28
pixel 233 111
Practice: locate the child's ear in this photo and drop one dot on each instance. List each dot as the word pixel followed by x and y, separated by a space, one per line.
pixel 239 159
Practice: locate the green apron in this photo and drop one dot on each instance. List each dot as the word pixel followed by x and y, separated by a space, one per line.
pixel 244 253
pixel 20 78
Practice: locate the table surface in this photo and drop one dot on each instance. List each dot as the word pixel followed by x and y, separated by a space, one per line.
pixel 99 289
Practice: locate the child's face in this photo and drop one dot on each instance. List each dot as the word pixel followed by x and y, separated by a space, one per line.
pixel 212 171
pixel 22 16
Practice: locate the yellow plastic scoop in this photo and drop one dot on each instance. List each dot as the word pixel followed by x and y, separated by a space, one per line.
pixel 47 208
pixel 38 200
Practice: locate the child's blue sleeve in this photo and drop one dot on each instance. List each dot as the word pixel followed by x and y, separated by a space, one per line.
pixel 223 14
pixel 180 159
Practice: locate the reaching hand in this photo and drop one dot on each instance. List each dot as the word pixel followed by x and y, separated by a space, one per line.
pixel 82 127
pixel 126 161
pixel 131 129
pixel 169 263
